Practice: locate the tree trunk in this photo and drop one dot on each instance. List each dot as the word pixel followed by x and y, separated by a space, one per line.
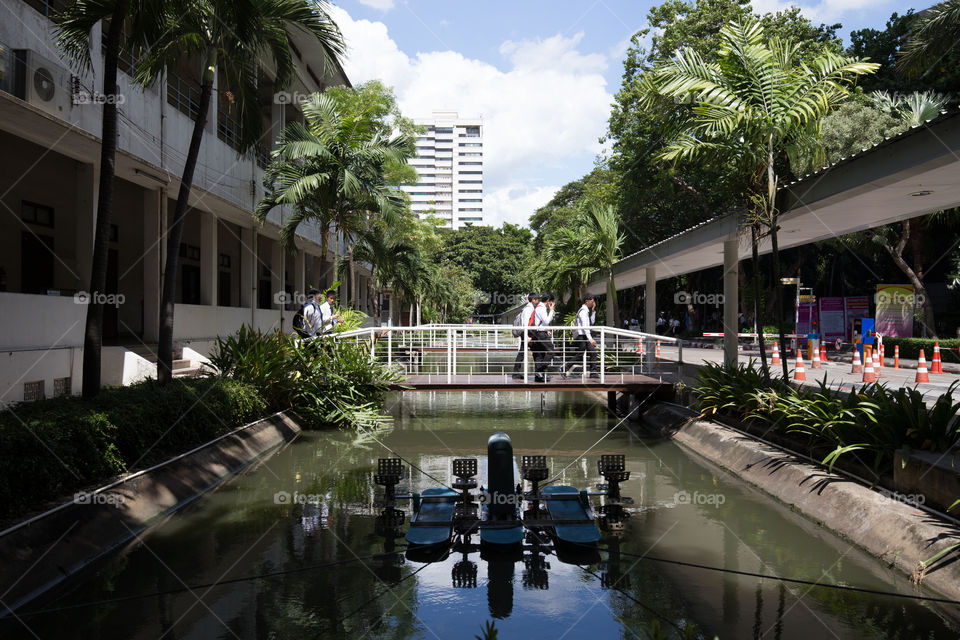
pixel 775 254
pixel 755 246
pixel 352 287
pixel 324 245
pixel 613 315
pixel 169 292
pixel 93 331
pixel 919 290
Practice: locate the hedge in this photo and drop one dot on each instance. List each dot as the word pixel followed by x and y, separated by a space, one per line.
pixel 910 348
pixel 52 448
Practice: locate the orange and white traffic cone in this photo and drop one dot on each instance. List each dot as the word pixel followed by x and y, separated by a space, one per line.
pixel 798 374
pixel 868 373
pixel 823 353
pixel 776 354
pixel 640 346
pixel 814 357
pixel 896 356
pixel 878 361
pixel 855 361
pixel 922 369
pixel 659 356
pixel 937 366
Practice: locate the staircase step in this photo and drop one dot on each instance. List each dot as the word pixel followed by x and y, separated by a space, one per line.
pixel 181 364
pixel 191 372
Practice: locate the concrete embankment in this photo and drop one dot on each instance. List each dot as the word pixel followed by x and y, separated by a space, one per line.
pixel 897 533
pixel 41 553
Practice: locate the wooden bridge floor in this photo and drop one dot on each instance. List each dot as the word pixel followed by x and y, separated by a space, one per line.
pixel 632 383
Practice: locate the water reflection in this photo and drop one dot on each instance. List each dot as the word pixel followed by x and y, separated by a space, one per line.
pixel 242 531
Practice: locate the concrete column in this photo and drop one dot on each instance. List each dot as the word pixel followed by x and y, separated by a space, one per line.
pixel 209 258
pixel 85 190
pixel 248 268
pixel 276 272
pixel 299 273
pixel 731 263
pixel 319 278
pixel 650 301
pixel 154 222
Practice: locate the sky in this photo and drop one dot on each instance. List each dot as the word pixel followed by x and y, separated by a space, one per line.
pixel 541 73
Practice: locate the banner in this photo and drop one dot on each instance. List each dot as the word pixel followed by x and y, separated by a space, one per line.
pixel 895 304
pixel 856 307
pixel 807 316
pixel 833 322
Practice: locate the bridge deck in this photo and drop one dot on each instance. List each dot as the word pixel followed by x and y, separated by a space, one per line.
pixel 632 383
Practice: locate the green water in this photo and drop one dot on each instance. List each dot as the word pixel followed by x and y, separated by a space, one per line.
pixel 684 509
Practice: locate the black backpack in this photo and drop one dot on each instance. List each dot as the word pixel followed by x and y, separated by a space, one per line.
pixel 300 320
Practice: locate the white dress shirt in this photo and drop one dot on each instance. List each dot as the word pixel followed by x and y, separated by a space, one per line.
pixel 585 318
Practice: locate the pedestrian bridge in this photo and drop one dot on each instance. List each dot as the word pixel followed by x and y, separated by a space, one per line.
pixel 482 357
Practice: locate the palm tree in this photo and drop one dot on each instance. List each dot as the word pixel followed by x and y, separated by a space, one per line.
pixel 911 109
pixel 73 28
pixel 229 37
pixel 758 108
pixel 331 169
pixel 935 32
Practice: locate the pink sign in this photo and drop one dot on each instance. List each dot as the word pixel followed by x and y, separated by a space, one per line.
pixel 833 322
pixel 857 307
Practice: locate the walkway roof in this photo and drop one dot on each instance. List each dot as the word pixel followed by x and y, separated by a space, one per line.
pixel 915 173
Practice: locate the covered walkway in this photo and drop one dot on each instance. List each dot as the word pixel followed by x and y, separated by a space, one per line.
pixel 913 174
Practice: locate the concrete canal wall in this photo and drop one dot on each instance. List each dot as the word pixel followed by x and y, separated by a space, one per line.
pixel 893 531
pixel 41 553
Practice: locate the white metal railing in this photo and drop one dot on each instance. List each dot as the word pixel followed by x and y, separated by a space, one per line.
pixel 446 350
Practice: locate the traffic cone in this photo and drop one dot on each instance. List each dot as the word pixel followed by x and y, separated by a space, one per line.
pixel 868 374
pixel 814 357
pixel 776 354
pixel 896 356
pixel 658 350
pixel 798 374
pixel 937 366
pixel 640 346
pixel 855 361
pixel 878 362
pixel 922 369
pixel 823 353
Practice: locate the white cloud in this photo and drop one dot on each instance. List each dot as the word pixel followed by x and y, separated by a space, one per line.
pixel 382 5
pixel 825 11
pixel 543 114
pixel 515 202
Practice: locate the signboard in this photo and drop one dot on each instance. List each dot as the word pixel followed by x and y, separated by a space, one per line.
pixel 856 307
pixel 895 304
pixel 833 321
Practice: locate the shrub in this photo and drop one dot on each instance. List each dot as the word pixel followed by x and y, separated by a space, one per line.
pixel 330 383
pixel 55 447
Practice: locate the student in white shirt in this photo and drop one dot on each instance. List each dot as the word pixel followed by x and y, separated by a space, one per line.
pixel 527 319
pixel 542 347
pixel 583 340
pixel 327 318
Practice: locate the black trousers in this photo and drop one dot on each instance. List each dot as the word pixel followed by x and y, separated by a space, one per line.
pixel 581 345
pixel 543 351
pixel 518 363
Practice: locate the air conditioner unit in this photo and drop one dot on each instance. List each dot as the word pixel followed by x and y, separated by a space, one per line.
pixel 47 84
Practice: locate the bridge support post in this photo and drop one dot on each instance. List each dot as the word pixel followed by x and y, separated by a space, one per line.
pixel 650 301
pixel 612 401
pixel 731 300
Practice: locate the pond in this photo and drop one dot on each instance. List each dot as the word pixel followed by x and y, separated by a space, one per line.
pixel 304 522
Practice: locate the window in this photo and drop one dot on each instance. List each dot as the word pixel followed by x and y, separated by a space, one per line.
pixel 33 391
pixel 189 251
pixel 62 387
pixel 444 129
pixel 473 132
pixel 471 182
pixel 468 209
pixel 471 144
pixel 471 164
pixel 36 214
pixel 471 199
pixel 471 190
pixel 467 173
pixel 224 260
pixel 472 154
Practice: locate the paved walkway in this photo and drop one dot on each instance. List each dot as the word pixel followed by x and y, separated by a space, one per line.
pixel 838 373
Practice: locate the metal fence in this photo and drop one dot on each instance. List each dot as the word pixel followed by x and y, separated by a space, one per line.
pixel 446 350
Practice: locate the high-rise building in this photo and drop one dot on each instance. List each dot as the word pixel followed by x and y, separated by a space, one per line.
pixel 450 165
